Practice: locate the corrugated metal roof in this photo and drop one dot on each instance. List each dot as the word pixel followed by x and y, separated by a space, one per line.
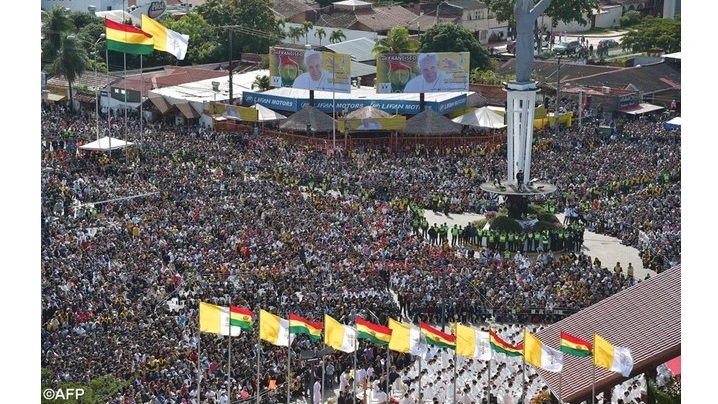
pixel 646 318
pixel 359 48
pixel 362 69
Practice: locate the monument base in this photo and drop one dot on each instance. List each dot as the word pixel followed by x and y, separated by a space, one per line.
pixel 532 189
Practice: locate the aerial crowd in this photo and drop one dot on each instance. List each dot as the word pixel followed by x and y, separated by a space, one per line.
pixel 133 241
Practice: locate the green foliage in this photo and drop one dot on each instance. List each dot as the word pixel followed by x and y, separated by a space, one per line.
pixel 547 217
pixel 71 62
pixel 321 34
pixel 337 36
pixel 263 82
pixel 306 27
pixel 56 25
pixel 295 33
pixel 206 43
pixel 396 41
pixel 450 37
pixel 505 223
pixel 654 33
pixel 98 390
pixel 668 394
pixel 630 18
pixel 546 225
pixel 566 11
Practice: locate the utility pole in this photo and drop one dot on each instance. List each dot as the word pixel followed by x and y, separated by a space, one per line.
pixel 558 93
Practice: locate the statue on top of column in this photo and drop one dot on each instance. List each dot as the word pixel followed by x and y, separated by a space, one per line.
pixel 525 14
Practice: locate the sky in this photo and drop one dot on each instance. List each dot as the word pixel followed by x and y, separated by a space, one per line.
pixel 21 183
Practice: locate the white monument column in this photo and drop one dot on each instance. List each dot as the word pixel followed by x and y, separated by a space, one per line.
pixel 520 103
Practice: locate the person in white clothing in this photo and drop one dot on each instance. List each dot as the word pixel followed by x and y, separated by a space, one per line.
pixel 343 380
pixel 315 78
pixel 317 393
pixel 379 395
pixel 361 376
pixel 432 78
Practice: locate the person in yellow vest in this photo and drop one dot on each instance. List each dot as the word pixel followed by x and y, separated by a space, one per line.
pixel 629 270
pixel 618 269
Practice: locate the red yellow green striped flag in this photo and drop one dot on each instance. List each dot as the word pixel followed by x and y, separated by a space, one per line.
pixel 575 346
pixel 377 334
pixel 127 39
pixel 437 338
pixel 241 317
pixel 501 346
pixel 299 325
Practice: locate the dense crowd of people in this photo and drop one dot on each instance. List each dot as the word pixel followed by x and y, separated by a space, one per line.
pixel 256 222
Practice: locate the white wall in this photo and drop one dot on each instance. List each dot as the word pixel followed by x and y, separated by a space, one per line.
pixel 610 17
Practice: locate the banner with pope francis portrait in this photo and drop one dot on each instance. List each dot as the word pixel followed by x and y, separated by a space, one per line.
pixel 422 72
pixel 310 69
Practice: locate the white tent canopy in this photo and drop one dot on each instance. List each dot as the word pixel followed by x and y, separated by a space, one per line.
pixel 265 114
pixel 481 118
pixel 673 123
pixel 106 143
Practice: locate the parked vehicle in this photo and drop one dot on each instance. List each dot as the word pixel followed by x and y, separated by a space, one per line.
pixel 609 43
pixel 567 48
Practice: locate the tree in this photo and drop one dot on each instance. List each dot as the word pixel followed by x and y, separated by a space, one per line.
pixel 56 25
pixel 450 37
pixel 566 11
pixel 630 18
pixel 71 62
pixel 654 34
pixel 262 82
pixel 320 33
pixel 396 41
pixel 306 27
pixel 295 33
pixel 203 45
pixel 337 36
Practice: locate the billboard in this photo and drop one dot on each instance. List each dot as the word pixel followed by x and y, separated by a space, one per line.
pixel 422 72
pixel 397 122
pixel 234 112
pixel 310 70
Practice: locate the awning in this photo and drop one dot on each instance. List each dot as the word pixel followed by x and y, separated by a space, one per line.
pixel 186 110
pixel 55 97
pixel 159 102
pixel 641 108
pixel 674 365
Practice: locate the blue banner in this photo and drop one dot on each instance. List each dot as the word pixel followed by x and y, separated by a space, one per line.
pixel 405 107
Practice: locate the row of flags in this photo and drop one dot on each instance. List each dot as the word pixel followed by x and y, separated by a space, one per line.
pixel 152 36
pixel 406 338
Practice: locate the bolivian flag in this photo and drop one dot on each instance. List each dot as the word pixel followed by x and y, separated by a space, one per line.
pixel 501 346
pixel 299 325
pixel 377 334
pixel 127 39
pixel 575 346
pixel 437 338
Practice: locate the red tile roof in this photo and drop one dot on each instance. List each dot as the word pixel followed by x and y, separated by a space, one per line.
pixel 646 318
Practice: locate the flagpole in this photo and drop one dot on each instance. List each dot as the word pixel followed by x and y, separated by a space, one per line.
pixel 229 361
pixel 289 364
pixel 142 87
pixel 388 358
pixel 523 376
pixel 455 375
pixel 199 363
pixel 593 383
pixel 419 356
pixel 125 104
pixel 488 378
pixel 321 397
pixel 354 379
pixel 107 65
pixel 560 388
pixel 259 356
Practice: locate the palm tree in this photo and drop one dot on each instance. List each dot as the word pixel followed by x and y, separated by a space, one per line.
pixel 70 62
pixel 295 33
pixel 396 41
pixel 56 25
pixel 337 36
pixel 262 82
pixel 320 33
pixel 306 27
